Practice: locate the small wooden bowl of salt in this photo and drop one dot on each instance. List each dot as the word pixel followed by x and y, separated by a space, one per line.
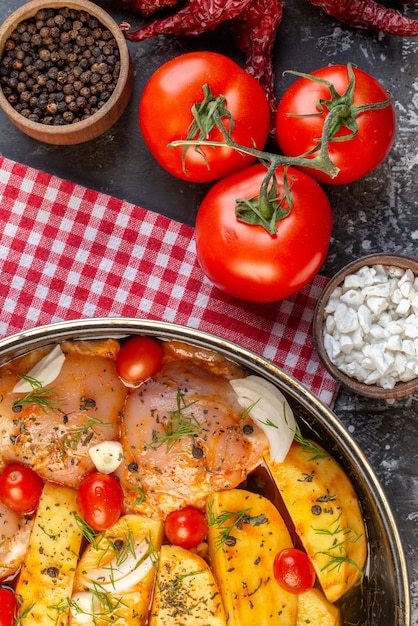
pixel 366 326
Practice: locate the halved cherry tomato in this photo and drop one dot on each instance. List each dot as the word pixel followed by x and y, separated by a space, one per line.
pixel 8 607
pixel 138 359
pixel 303 109
pixel 186 527
pixel 100 498
pixel 293 570
pixel 20 488
pixel 165 114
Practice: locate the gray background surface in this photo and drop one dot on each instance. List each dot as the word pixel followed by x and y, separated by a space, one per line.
pixel 376 214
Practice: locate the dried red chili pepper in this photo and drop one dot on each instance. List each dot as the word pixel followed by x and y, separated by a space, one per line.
pixel 145 7
pixel 253 26
pixel 193 18
pixel 369 14
pixel 254 32
pixel 254 23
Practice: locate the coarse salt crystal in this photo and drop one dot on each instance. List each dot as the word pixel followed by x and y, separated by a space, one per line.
pixel 345 318
pixel 408 347
pixel 357 338
pixel 403 307
pixel 346 344
pixel 382 290
pixel 377 304
pixel 394 343
pixel 365 318
pixel 353 298
pixel 371 325
pixel 353 281
pixel 405 288
pixel 332 346
pixel 411 331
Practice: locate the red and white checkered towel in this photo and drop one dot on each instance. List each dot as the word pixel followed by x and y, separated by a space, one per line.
pixel 67 252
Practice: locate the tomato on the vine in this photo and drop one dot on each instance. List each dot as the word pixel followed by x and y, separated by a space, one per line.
pixel 165 115
pixel 186 527
pixel 20 488
pixel 293 570
pixel 369 132
pixel 138 359
pixel 100 499
pixel 8 607
pixel 246 261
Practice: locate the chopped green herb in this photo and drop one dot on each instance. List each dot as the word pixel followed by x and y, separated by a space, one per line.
pixel 309 446
pixel 337 552
pixel 83 434
pixel 178 426
pixel 226 521
pixel 43 397
pixel 248 410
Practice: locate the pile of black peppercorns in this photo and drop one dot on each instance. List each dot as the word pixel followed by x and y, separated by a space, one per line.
pixel 59 67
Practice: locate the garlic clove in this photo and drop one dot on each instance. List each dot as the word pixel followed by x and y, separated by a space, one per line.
pixel 106 456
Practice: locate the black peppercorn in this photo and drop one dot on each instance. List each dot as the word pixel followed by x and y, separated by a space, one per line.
pixel 316 509
pixel 60 66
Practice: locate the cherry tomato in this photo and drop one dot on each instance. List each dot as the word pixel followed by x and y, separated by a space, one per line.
pixel 8 607
pixel 175 88
pixel 138 359
pixel 186 527
pixel 244 260
pixel 293 570
pixel 100 498
pixel 299 123
pixel 20 488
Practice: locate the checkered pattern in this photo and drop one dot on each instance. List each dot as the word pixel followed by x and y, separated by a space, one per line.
pixel 67 252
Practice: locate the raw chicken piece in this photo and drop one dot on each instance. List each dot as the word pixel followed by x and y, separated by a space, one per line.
pixel 14 538
pixel 184 435
pixel 84 401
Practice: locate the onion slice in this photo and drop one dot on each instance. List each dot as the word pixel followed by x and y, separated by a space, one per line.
pixel 83 606
pixel 116 577
pixel 271 411
pixel 45 371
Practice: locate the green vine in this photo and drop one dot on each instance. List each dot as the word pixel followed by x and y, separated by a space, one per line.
pixel 268 208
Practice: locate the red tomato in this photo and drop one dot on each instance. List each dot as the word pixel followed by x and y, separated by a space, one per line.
pixel 165 114
pixel 100 498
pixel 244 260
pixel 299 124
pixel 186 527
pixel 138 359
pixel 293 570
pixel 20 488
pixel 8 607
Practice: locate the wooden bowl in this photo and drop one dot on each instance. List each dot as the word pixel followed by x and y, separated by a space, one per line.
pixel 101 120
pixel 370 390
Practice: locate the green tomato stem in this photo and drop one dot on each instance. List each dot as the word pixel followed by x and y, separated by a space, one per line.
pixel 341 113
pixel 321 161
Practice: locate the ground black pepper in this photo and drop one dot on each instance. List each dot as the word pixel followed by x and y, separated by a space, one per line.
pixel 59 67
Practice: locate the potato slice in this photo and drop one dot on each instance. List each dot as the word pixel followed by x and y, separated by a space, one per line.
pixel 46 579
pixel 246 531
pixel 186 592
pixel 116 572
pixel 326 514
pixel 314 608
